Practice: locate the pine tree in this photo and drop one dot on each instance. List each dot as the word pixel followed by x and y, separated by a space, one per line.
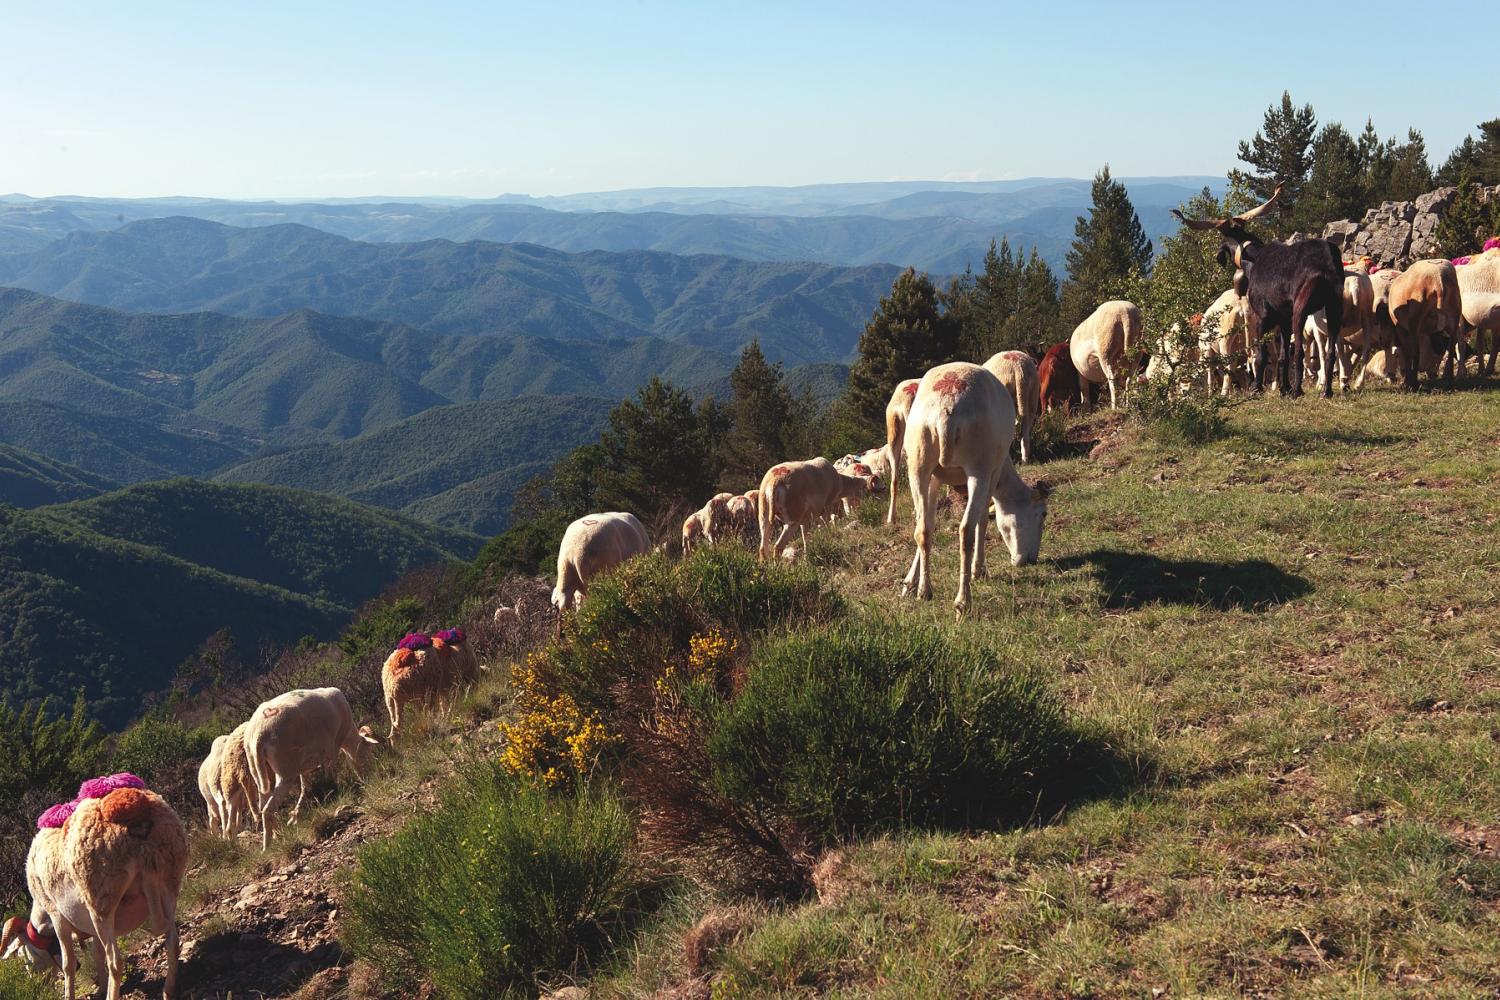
pixel 1467 224
pixel 1036 322
pixel 908 334
pixel 660 452
pixel 1280 155
pixel 1187 276
pixel 1480 160
pixel 1336 184
pixel 761 414
pixel 1109 254
pixel 1410 172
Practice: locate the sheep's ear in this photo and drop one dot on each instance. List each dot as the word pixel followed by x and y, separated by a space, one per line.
pixel 368 735
pixel 1043 489
pixel 10 939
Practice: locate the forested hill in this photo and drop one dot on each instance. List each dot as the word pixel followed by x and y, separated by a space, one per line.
pixel 109 595
pixel 455 465
pixel 31 480
pixel 800 312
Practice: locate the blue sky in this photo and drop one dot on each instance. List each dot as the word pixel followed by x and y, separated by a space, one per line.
pixel 323 99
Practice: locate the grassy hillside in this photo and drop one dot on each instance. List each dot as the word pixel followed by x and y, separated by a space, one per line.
pixel 110 594
pixel 31 480
pixel 800 312
pixel 456 465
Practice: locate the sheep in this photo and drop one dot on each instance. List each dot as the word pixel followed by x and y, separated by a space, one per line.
pixel 716 519
pixel 1479 288
pixel 208 783
pixel 594 544
pixel 895 432
pixel 693 529
pixel 1221 340
pixel 112 864
pixel 1357 331
pixel 425 668
pixel 295 734
pixel 1017 372
pixel 959 432
pixel 1176 351
pixel 1100 344
pixel 1283 284
pixel 1059 379
pixel 797 494
pixel 742 515
pixel 1424 305
pixel 849 499
pixel 239 801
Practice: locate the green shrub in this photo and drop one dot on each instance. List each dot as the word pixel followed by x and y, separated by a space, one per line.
pixel 157 744
pixel 379 627
pixel 645 615
pixel 499 886
pixel 1049 437
pixel 1175 417
pixel 867 727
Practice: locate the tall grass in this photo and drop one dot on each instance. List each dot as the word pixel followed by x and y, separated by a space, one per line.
pixel 499 885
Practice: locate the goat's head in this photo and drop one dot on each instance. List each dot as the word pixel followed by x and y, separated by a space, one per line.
pixel 1238 244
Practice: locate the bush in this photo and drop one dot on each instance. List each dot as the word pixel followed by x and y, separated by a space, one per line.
pixel 1175 417
pixel 841 732
pixel 645 615
pixel 157 744
pixel 891 727
pixel 500 885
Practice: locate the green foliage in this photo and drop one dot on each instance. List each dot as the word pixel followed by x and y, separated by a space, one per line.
pixel 1407 172
pixel 379 627
pixel 1109 253
pixel 767 424
pixel 1279 155
pixel 908 334
pixel 1175 417
pixel 1480 160
pixel 46 751
pixel 645 614
pixel 660 452
pixel 157 744
pixel 1186 277
pixel 891 727
pixel 498 886
pixel 528 546
pixel 1467 223
pixel 1011 305
pixel 1336 186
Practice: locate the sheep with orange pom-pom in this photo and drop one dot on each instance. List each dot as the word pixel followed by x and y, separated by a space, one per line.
pixel 100 867
pixel 425 668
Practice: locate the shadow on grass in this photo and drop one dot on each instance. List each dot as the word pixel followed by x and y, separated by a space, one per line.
pixel 1138 579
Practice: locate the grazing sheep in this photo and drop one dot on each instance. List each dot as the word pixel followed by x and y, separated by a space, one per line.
pixel 716 519
pixel 1059 379
pixel 208 783
pixel 113 863
pixel 693 530
pixel 239 801
pixel 594 544
pixel 895 433
pixel 1479 288
pixel 1424 305
pixel 1357 332
pixel 1100 346
pixel 1018 372
pixel 959 432
pixel 425 668
pixel 295 734
pixel 797 494
pixel 742 515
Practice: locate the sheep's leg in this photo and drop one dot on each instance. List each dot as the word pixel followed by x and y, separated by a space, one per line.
pixel 1109 378
pixel 68 942
pixel 971 540
pixel 114 962
pixel 268 810
pixel 923 502
pixel 393 707
pixel 1026 424
pixel 893 451
pixel 301 794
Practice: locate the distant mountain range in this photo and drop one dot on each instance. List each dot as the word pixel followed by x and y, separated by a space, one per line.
pixel 110 594
pixel 800 312
pixel 937 226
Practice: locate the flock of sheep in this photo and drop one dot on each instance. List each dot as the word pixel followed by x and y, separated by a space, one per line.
pixel 113 859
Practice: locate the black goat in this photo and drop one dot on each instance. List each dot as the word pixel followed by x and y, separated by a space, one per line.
pixel 1283 285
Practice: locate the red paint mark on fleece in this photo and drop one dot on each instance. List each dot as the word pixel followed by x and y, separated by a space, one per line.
pixel 270 712
pixel 951 384
pixel 910 389
pixel 780 471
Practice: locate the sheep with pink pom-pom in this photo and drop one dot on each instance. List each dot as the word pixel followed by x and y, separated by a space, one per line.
pixel 1479 297
pixel 101 866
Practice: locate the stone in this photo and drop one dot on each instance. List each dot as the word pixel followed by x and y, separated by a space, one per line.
pixel 1436 201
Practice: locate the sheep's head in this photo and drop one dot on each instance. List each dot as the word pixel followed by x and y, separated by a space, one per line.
pixel 39 949
pixel 1237 244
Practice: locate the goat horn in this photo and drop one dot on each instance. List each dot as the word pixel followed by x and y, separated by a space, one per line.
pixel 1262 209
pixel 1198 223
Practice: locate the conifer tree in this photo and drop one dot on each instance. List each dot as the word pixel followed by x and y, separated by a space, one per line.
pixel 1035 322
pixel 1336 184
pixel 1109 254
pixel 1480 159
pixel 661 452
pixel 1410 174
pixel 761 413
pixel 1279 155
pixel 908 334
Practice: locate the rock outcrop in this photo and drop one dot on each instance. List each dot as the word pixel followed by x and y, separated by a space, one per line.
pixel 1399 232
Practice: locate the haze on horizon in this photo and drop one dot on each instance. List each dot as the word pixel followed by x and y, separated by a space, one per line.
pixel 476 100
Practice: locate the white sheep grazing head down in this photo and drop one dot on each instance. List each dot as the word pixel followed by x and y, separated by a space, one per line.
pixel 1021 527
